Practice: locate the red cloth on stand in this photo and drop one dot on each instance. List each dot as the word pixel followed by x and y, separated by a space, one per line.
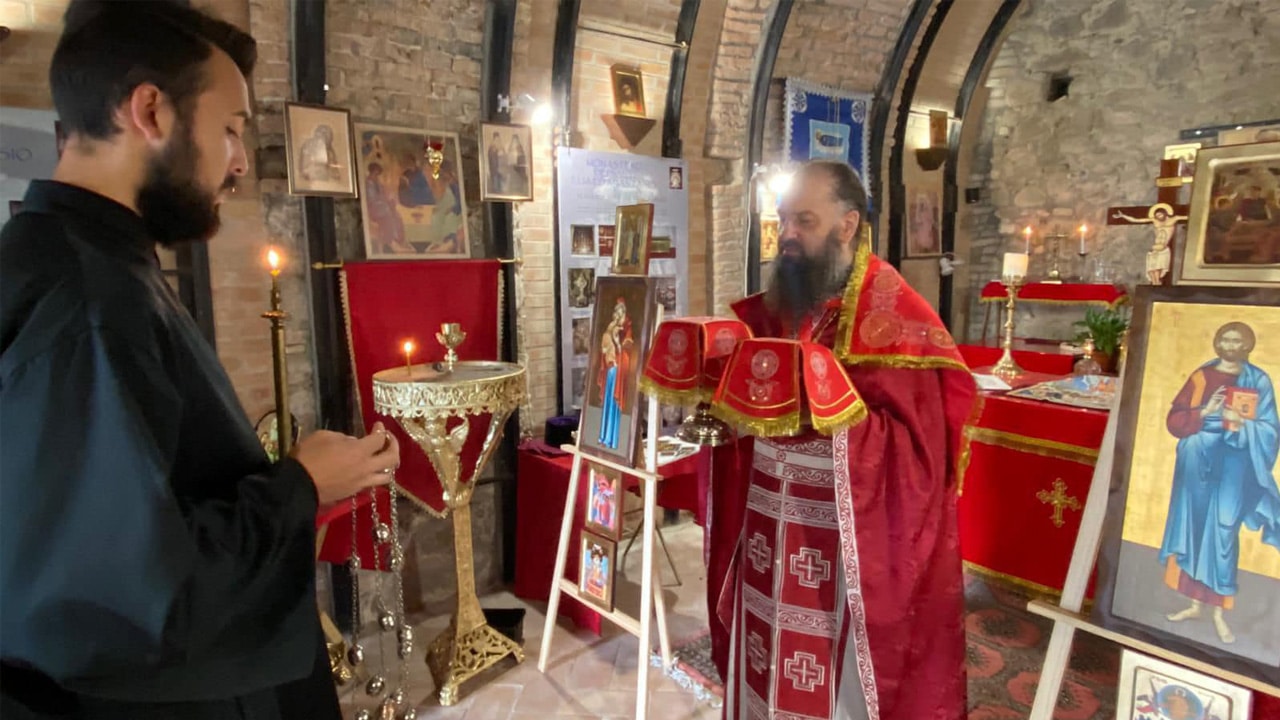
pixel 984 357
pixel 1074 293
pixel 540 495
pixel 387 303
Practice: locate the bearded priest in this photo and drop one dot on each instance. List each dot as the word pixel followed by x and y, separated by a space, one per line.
pixel 835 576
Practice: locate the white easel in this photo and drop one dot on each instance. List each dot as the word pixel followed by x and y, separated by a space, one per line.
pixel 650 592
pixel 1066 615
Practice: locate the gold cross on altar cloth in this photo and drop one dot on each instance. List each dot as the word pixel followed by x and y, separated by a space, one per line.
pixel 1058 499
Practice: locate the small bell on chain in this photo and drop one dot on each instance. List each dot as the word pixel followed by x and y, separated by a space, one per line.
pixel 405 650
pixel 387 620
pixel 382 533
pixel 355 655
pixel 363 714
pixel 376 685
pixel 409 713
pixel 405 634
pixel 397 696
pixel 387 710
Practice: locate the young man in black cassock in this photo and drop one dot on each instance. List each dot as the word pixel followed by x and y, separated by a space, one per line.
pixel 153 562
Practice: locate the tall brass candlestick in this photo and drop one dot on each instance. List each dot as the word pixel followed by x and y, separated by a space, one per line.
pixel 1007 369
pixel 277 316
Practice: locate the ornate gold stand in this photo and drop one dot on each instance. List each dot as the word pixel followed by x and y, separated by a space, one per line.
pixel 424 399
pixel 1007 369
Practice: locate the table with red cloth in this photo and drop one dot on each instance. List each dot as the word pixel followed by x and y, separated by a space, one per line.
pixel 541 486
pixel 1052 363
pixel 1025 471
pixel 1096 294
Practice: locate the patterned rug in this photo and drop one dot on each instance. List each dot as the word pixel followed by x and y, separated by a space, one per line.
pixel 1006 651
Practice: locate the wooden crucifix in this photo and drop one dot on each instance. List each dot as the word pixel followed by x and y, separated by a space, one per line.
pixel 1164 216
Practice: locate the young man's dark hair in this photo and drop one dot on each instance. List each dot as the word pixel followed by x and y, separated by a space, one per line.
pixel 109 48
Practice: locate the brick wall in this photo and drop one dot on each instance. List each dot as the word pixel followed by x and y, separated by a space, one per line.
pixel 1142 72
pixel 841 44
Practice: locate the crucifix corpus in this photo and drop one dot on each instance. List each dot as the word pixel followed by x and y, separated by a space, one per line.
pixel 1164 216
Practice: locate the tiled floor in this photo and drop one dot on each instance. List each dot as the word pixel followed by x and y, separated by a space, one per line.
pixel 587 676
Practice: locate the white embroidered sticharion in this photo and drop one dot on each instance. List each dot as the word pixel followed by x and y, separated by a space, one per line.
pixel 814 513
pixel 806 455
pixel 849 552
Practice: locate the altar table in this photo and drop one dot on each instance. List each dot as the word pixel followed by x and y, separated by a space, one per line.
pixel 1096 294
pixel 542 480
pixel 1025 471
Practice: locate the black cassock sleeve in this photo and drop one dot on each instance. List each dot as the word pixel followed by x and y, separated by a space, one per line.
pixel 106 572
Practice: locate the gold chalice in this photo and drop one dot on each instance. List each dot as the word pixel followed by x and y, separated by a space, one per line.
pixel 450 336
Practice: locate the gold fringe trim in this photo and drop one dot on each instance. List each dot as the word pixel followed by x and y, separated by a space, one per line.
pixel 909 362
pixel 787 425
pixel 1033 445
pixel 851 416
pixel 674 397
pixel 962 465
pixel 852 291
pixel 1049 301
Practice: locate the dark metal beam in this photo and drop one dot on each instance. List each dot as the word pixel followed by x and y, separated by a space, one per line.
pixel 883 100
pixel 332 366
pixel 495 80
pixel 672 146
pixel 561 99
pixel 897 156
pixel 972 77
pixel 777 25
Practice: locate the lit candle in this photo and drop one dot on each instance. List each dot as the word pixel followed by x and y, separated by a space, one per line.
pixel 1015 265
pixel 1026 235
pixel 408 356
pixel 1083 228
pixel 273 259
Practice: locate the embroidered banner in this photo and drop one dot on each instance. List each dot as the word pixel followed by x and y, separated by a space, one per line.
pixel 826 123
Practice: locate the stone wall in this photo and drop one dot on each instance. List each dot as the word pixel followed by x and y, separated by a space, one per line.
pixel 1141 72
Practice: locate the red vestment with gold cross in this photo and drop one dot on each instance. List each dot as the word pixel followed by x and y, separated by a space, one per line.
pixel 835 575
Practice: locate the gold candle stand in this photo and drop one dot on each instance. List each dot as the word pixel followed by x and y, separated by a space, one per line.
pixel 424 401
pixel 280 369
pixel 1006 369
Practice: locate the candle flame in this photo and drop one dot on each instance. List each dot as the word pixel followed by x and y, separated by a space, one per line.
pixel 408 347
pixel 273 259
pixel 1083 228
pixel 1027 231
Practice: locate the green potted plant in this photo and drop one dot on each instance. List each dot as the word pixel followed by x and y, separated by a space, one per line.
pixel 1107 329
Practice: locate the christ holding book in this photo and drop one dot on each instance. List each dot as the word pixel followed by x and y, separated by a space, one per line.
pixel 1228 436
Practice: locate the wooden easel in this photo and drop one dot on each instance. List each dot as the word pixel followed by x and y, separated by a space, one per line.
pixel 650 591
pixel 1066 615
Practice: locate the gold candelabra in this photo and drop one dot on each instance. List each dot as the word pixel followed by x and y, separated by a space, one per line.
pixel 1006 369
pixel 279 363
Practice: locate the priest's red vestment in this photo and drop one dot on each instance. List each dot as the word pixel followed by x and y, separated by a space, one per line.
pixel 837 577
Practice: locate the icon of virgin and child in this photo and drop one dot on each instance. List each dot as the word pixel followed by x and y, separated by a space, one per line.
pixel 617 362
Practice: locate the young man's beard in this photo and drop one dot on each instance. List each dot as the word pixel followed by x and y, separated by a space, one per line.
pixel 173 206
pixel 801 283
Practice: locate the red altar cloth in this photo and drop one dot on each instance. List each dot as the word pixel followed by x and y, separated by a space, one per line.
pixel 979 356
pixel 385 304
pixel 542 482
pixel 1012 459
pixel 1070 293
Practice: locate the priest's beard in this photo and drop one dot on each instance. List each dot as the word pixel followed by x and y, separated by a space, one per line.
pixel 173 206
pixel 801 283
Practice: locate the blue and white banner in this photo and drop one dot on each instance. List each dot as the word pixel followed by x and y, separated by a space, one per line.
pixel 826 123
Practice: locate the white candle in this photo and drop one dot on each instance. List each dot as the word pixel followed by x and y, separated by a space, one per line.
pixel 1015 265
pixel 1083 229
pixel 1026 235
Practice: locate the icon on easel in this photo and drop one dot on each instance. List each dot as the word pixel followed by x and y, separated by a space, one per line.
pixel 604 501
pixel 596 571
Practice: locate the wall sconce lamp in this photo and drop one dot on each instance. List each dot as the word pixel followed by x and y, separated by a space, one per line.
pixel 932 157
